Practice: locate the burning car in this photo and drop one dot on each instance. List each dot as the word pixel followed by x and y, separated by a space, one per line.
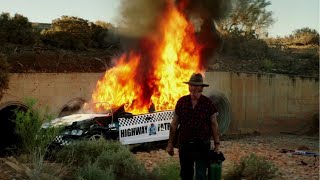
pixel 149 74
pixel 92 126
pixel 119 125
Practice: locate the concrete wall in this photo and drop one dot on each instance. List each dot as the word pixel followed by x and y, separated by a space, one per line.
pixel 267 103
pixel 50 89
pixel 263 103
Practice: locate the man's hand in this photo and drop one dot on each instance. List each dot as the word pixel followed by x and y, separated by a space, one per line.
pixel 215 129
pixel 170 150
pixel 172 134
pixel 216 149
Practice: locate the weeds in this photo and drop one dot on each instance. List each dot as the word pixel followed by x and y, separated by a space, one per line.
pixel 167 170
pixel 34 140
pixel 93 172
pixel 267 65
pixel 252 167
pixel 110 157
pixel 82 152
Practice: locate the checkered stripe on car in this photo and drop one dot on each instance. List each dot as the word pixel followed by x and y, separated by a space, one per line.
pixel 61 141
pixel 146 118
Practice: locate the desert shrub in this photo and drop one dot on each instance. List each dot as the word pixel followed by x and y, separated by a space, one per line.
pixel 252 167
pixel 167 170
pixel 34 140
pixel 123 163
pixel 61 39
pixel 4 74
pixel 255 48
pixel 84 152
pixel 244 45
pixel 93 172
pixel 267 65
pixel 306 36
pixel 75 33
pixel 28 128
pixel 105 155
pixel 16 29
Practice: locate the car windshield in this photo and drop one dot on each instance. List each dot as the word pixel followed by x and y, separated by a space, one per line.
pixel 98 108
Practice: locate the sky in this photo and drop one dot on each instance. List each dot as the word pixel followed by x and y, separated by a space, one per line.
pixel 289 15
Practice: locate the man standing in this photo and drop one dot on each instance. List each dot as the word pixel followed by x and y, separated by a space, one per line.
pixel 196 117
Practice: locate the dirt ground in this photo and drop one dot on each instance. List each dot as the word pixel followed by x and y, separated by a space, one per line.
pixel 290 166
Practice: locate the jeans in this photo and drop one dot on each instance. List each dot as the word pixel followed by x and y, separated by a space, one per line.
pixel 194 153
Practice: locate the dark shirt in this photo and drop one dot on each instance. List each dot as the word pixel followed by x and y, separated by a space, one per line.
pixel 194 123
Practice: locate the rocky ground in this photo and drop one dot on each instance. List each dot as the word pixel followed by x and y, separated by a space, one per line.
pixel 271 147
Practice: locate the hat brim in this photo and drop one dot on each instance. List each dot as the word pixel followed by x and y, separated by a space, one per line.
pixel 196 84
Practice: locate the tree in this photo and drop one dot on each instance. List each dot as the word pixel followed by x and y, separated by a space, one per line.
pixel 69 32
pixel 98 35
pixel 103 35
pixel 16 29
pixel 247 17
pixel 104 25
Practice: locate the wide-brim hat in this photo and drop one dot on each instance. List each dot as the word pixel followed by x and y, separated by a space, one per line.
pixel 196 80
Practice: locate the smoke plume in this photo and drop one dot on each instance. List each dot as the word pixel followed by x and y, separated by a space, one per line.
pixel 139 17
pixel 206 12
pixel 205 9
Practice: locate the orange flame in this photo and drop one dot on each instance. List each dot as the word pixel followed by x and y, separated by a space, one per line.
pixel 156 73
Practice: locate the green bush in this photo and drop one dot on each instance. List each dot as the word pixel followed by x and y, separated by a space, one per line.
pixel 267 65
pixel 123 163
pixel 83 152
pixel 65 40
pixel 74 33
pixel 28 128
pixel 93 172
pixel 244 45
pixel 34 140
pixel 105 155
pixel 16 30
pixel 252 167
pixel 306 36
pixel 167 170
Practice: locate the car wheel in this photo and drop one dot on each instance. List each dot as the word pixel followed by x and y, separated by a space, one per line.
pixel 96 137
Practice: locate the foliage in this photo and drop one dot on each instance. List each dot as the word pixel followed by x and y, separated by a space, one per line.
pixel 252 167
pixel 167 170
pixel 123 163
pixel 93 172
pixel 16 30
pixel 4 74
pixel 302 36
pixel 75 33
pixel 103 155
pixel 82 152
pixel 99 36
pixel 242 45
pixel 104 25
pixel 248 16
pixel 306 36
pixel 35 140
pixel 242 28
pixel 68 32
pixel 267 65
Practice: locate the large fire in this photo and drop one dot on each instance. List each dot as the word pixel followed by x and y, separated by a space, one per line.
pixel 154 74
